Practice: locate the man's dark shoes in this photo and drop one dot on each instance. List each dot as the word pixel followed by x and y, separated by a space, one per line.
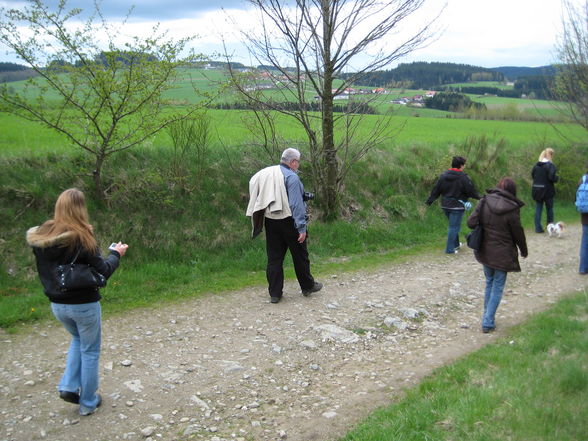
pixel 486 330
pixel 70 397
pixel 275 299
pixel 316 287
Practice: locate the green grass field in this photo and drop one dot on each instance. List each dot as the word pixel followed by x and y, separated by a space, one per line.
pixel 496 84
pixel 24 138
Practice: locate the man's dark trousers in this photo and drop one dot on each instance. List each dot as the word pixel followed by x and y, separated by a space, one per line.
pixel 281 236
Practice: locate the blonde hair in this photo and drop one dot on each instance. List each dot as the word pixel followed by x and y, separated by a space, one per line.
pixel 71 216
pixel 546 154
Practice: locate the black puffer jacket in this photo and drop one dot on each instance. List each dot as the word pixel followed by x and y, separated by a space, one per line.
pixel 454 185
pixel 51 253
pixel 503 232
pixel 544 176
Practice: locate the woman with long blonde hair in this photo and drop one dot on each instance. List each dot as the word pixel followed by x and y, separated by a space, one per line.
pixel 67 238
pixel 544 175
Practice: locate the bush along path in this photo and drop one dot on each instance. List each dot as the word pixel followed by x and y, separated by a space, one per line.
pixel 235 367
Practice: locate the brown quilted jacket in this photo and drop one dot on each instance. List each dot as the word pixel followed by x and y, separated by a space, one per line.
pixel 503 231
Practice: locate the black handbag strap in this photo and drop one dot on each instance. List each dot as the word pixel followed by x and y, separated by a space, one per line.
pixel 76 256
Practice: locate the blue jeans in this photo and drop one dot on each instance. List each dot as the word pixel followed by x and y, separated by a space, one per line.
pixel 495 281
pixel 539 211
pixel 584 250
pixel 454 217
pixel 83 322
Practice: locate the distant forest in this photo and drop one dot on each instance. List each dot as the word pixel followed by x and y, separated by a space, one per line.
pixel 422 75
pixel 14 72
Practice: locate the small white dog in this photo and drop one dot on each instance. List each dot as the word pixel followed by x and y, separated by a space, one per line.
pixel 556 230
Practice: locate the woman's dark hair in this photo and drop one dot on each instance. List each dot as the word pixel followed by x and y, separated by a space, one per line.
pixel 458 161
pixel 509 185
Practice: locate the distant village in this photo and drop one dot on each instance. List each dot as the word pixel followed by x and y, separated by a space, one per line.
pixel 413 101
pixel 268 80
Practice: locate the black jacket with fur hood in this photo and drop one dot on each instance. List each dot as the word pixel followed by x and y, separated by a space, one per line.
pixel 53 252
pixel 503 231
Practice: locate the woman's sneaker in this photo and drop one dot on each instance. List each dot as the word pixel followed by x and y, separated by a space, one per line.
pixel 90 412
pixel 70 397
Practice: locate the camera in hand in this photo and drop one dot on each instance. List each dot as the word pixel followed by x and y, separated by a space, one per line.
pixel 307 196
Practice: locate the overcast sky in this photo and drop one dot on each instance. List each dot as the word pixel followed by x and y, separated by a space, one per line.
pixel 487 33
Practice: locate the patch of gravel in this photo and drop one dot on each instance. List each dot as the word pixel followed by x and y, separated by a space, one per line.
pixel 235 367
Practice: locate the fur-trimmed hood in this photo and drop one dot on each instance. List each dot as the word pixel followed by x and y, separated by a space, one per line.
pixel 59 240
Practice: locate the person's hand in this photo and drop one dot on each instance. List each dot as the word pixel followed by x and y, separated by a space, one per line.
pixel 121 248
pixel 301 237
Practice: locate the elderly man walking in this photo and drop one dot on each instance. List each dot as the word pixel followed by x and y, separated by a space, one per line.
pixel 277 200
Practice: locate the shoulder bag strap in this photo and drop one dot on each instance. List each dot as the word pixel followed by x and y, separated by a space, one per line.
pixel 76 256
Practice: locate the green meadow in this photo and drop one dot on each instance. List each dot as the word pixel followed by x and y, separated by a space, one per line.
pixel 496 84
pixel 229 128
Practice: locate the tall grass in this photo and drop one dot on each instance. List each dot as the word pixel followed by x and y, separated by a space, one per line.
pixel 531 385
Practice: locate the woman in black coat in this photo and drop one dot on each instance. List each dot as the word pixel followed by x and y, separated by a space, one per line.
pixel 544 175
pixel 66 238
pixel 499 214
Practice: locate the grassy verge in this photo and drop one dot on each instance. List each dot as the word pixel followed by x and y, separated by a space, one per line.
pixel 532 385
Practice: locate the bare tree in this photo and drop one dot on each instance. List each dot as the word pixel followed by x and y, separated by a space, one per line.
pixel 103 99
pixel 307 46
pixel 571 85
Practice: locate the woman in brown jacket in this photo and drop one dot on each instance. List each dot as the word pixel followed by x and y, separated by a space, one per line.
pixel 503 233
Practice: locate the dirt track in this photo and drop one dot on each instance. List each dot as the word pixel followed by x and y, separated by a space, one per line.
pixel 235 367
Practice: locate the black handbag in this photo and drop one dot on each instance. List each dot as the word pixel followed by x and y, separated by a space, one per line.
pixel 78 276
pixel 475 237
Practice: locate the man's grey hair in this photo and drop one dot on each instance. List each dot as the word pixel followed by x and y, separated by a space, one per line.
pixel 290 155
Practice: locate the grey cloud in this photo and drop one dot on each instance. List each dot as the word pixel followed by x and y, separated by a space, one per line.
pixel 144 9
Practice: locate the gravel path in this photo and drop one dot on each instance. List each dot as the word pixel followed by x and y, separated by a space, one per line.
pixel 235 367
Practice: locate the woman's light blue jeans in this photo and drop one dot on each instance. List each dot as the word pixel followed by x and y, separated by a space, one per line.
pixel 83 322
pixel 454 217
pixel 584 250
pixel 495 281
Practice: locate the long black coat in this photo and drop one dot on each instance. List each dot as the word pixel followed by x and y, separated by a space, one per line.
pixel 503 231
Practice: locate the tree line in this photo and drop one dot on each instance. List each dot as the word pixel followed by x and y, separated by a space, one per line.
pixel 313 106
pixel 424 75
pixel 532 86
